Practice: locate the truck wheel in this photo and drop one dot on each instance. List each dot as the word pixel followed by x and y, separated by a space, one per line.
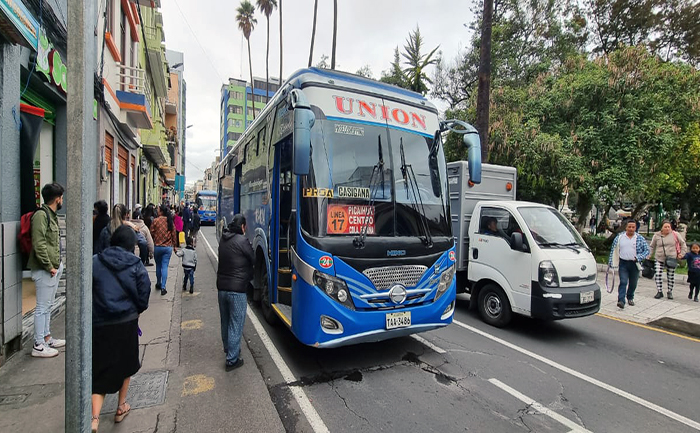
pixel 494 307
pixel 268 312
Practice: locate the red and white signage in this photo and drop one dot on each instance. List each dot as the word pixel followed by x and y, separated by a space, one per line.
pixel 359 107
pixel 350 219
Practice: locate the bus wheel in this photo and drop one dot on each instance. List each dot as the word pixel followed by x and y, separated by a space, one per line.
pixel 494 307
pixel 268 312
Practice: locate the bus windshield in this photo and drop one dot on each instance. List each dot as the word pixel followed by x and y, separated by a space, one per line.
pixel 359 181
pixel 206 203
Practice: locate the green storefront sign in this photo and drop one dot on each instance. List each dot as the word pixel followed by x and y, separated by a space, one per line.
pixel 49 63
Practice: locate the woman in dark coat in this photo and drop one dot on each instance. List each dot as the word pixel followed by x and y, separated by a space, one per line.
pixel 233 277
pixel 100 222
pixel 120 292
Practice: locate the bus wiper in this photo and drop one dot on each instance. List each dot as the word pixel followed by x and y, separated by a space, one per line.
pixel 409 175
pixel 359 241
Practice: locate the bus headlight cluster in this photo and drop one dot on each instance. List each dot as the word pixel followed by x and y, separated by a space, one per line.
pixel 548 274
pixel 445 281
pixel 335 288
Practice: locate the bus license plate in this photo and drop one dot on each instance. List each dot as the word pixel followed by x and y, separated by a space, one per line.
pixel 587 297
pixel 398 320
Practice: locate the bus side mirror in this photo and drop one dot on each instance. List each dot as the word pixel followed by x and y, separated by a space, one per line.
pixel 471 140
pixel 303 122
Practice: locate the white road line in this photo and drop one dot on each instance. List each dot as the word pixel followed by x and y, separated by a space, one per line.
pixel 428 343
pixel 539 408
pixel 663 411
pixel 300 396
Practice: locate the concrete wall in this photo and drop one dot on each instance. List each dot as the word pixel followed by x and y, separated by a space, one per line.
pixel 11 283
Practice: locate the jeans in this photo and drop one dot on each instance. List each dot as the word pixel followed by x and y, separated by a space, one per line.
pixel 629 275
pixel 189 273
pixel 162 256
pixel 46 287
pixel 232 308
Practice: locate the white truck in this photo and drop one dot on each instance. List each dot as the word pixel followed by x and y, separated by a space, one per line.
pixel 514 256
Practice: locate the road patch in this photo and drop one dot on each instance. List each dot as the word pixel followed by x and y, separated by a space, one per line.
pixel 197 384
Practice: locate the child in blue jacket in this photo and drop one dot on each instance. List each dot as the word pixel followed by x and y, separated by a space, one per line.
pixel 693 260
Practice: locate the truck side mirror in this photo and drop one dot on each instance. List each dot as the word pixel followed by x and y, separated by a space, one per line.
pixel 516 241
pixel 304 120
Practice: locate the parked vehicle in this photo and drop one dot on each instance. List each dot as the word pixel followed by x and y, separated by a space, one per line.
pixel 517 257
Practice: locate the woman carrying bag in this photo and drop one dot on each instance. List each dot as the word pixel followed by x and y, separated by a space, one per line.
pixel 668 247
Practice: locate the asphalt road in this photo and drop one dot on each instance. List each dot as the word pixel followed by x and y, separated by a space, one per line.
pixel 590 374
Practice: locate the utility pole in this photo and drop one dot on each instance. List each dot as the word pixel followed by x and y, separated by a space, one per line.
pixel 80 195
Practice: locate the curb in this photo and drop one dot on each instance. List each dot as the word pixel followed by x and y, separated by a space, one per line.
pixel 677 325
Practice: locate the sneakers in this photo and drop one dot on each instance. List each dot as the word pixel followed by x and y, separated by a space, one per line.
pixel 631 302
pixel 659 295
pixel 621 305
pixel 55 343
pixel 158 286
pixel 669 295
pixel 696 299
pixel 43 351
pixel 235 365
pixel 163 292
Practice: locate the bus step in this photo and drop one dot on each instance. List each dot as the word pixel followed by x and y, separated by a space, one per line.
pixel 283 251
pixel 285 313
pixel 284 270
pixel 284 289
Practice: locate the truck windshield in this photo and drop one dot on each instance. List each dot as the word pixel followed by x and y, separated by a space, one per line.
pixel 549 228
pixel 355 180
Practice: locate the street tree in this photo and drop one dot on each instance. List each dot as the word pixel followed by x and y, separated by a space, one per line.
pixel 395 74
pixel 417 63
pixel 245 17
pixel 266 7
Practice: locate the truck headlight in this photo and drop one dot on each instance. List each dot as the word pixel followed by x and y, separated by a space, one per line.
pixel 548 274
pixel 445 281
pixel 335 288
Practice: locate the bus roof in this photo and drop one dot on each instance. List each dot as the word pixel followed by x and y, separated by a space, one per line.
pixel 206 192
pixel 335 79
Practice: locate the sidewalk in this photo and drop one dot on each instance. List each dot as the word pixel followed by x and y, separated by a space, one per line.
pixel 32 389
pixel 680 314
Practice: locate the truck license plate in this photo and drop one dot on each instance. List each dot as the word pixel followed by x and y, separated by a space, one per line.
pixel 587 297
pixel 398 320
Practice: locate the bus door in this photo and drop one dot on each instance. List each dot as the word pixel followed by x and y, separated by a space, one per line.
pixel 284 188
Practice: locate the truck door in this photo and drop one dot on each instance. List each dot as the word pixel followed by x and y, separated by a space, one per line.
pixel 492 257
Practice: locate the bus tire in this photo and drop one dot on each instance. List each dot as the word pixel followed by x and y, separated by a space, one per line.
pixel 267 310
pixel 493 305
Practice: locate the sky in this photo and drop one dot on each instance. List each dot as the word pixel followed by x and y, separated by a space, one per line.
pixel 368 31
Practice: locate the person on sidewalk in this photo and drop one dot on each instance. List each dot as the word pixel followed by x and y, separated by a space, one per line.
pixel 195 225
pixel 189 265
pixel 120 292
pixel 144 253
pixel 120 216
pixel 100 222
pixel 233 276
pixel 164 239
pixel 628 249
pixel 46 266
pixel 186 220
pixel 667 248
pixel 692 257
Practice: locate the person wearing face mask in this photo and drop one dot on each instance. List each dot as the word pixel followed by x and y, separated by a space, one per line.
pixel 45 264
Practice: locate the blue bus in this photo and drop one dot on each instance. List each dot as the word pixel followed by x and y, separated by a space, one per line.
pixel 206 205
pixel 344 187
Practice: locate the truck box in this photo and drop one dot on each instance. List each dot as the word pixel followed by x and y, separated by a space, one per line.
pixel 497 183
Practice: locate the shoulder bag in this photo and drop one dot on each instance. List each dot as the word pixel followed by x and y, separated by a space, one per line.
pixel 670 262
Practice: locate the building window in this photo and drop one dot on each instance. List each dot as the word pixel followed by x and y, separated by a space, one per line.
pixel 110 17
pixel 230 123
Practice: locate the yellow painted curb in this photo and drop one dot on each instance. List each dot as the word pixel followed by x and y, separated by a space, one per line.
pixel 651 328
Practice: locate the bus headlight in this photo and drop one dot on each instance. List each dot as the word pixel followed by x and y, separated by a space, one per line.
pixel 548 274
pixel 445 281
pixel 335 288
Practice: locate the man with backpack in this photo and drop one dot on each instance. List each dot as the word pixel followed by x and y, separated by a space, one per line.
pixel 45 264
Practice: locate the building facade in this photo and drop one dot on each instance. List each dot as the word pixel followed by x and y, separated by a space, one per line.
pixel 239 103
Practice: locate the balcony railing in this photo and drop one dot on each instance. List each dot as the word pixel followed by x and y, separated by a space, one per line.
pixel 133 79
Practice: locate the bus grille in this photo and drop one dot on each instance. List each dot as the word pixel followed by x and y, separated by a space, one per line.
pixel 384 277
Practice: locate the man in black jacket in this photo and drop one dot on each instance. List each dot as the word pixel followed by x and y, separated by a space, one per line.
pixel 232 280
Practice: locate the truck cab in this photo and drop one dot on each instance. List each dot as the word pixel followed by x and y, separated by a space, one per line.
pixel 518 257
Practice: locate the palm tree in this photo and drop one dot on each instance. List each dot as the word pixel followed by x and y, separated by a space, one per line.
pixel 246 23
pixel 280 76
pixel 335 30
pixel 313 33
pixel 415 75
pixel 266 7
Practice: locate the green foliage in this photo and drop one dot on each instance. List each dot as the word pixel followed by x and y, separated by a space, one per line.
pixel 395 74
pixel 417 62
pixel 599 245
pixel 245 17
